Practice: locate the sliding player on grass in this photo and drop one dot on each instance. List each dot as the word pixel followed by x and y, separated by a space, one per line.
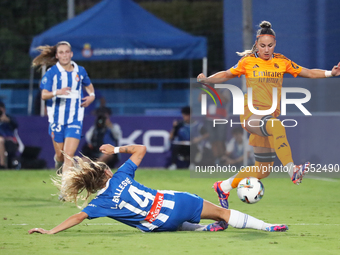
pixel 260 65
pixel 121 198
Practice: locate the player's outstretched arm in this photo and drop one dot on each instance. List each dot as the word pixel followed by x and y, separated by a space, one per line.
pixel 137 151
pixel 318 73
pixel 70 222
pixel 216 78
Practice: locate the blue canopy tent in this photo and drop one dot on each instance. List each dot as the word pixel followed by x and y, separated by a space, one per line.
pixel 122 30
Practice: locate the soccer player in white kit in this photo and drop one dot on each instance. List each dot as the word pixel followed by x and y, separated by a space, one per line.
pixel 62 90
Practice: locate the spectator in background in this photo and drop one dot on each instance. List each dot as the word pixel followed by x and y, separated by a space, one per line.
pixel 194 151
pixel 200 147
pixel 102 132
pixel 235 150
pixel 217 134
pixel 180 139
pixel 8 140
pixel 102 109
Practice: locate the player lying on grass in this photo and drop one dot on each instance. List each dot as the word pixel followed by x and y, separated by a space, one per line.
pixel 121 198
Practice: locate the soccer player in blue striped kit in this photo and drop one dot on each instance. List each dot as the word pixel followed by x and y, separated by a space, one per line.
pixel 121 198
pixel 62 90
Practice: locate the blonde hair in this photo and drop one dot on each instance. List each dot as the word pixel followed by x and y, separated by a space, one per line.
pixel 47 55
pixel 265 29
pixel 88 177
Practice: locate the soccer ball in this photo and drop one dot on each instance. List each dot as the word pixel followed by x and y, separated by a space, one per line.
pixel 250 190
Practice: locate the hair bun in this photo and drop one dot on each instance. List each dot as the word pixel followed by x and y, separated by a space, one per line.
pixel 265 24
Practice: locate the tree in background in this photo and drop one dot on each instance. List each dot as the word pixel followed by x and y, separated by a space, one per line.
pixel 22 20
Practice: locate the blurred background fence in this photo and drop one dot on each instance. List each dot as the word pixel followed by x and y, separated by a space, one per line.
pixel 134 82
pixel 307 32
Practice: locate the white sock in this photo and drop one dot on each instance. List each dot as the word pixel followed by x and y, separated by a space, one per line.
pixel 187 226
pixel 226 185
pixel 290 168
pixel 241 220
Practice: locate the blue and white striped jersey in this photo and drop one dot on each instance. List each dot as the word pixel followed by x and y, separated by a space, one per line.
pixel 130 202
pixel 65 109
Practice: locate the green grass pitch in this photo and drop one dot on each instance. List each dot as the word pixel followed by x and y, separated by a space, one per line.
pixel 311 210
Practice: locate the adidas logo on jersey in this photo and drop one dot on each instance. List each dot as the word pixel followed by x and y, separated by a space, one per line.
pixel 256 66
pixel 282 146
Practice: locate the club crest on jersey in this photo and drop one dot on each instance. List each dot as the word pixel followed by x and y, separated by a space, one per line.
pixel 87 51
pixel 44 80
pixel 276 65
pixel 77 78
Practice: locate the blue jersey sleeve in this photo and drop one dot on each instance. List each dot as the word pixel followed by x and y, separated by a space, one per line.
pixel 128 167
pixel 47 81
pixel 86 79
pixel 93 211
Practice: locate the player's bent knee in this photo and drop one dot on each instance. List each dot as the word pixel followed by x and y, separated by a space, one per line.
pixel 225 214
pixel 264 121
pixel 222 214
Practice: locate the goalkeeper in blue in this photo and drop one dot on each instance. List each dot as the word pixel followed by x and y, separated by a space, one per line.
pixel 122 198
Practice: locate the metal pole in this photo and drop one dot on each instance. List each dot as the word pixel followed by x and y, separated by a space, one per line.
pixel 70 9
pixel 247 24
pixel 30 92
pixel 42 102
pixel 247 21
pixel 205 66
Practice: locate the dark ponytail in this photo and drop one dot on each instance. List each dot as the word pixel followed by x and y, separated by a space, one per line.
pixel 265 29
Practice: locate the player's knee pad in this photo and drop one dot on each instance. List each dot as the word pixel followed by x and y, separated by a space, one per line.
pixel 264 122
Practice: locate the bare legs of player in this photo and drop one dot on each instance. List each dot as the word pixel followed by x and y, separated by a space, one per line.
pixel 69 147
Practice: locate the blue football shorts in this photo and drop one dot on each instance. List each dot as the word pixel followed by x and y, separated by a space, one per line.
pixel 188 207
pixel 60 132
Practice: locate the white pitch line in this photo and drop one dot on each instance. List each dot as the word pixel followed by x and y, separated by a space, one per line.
pixel 116 224
pixel 313 224
pixel 90 224
pixel 103 224
pixel 322 179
